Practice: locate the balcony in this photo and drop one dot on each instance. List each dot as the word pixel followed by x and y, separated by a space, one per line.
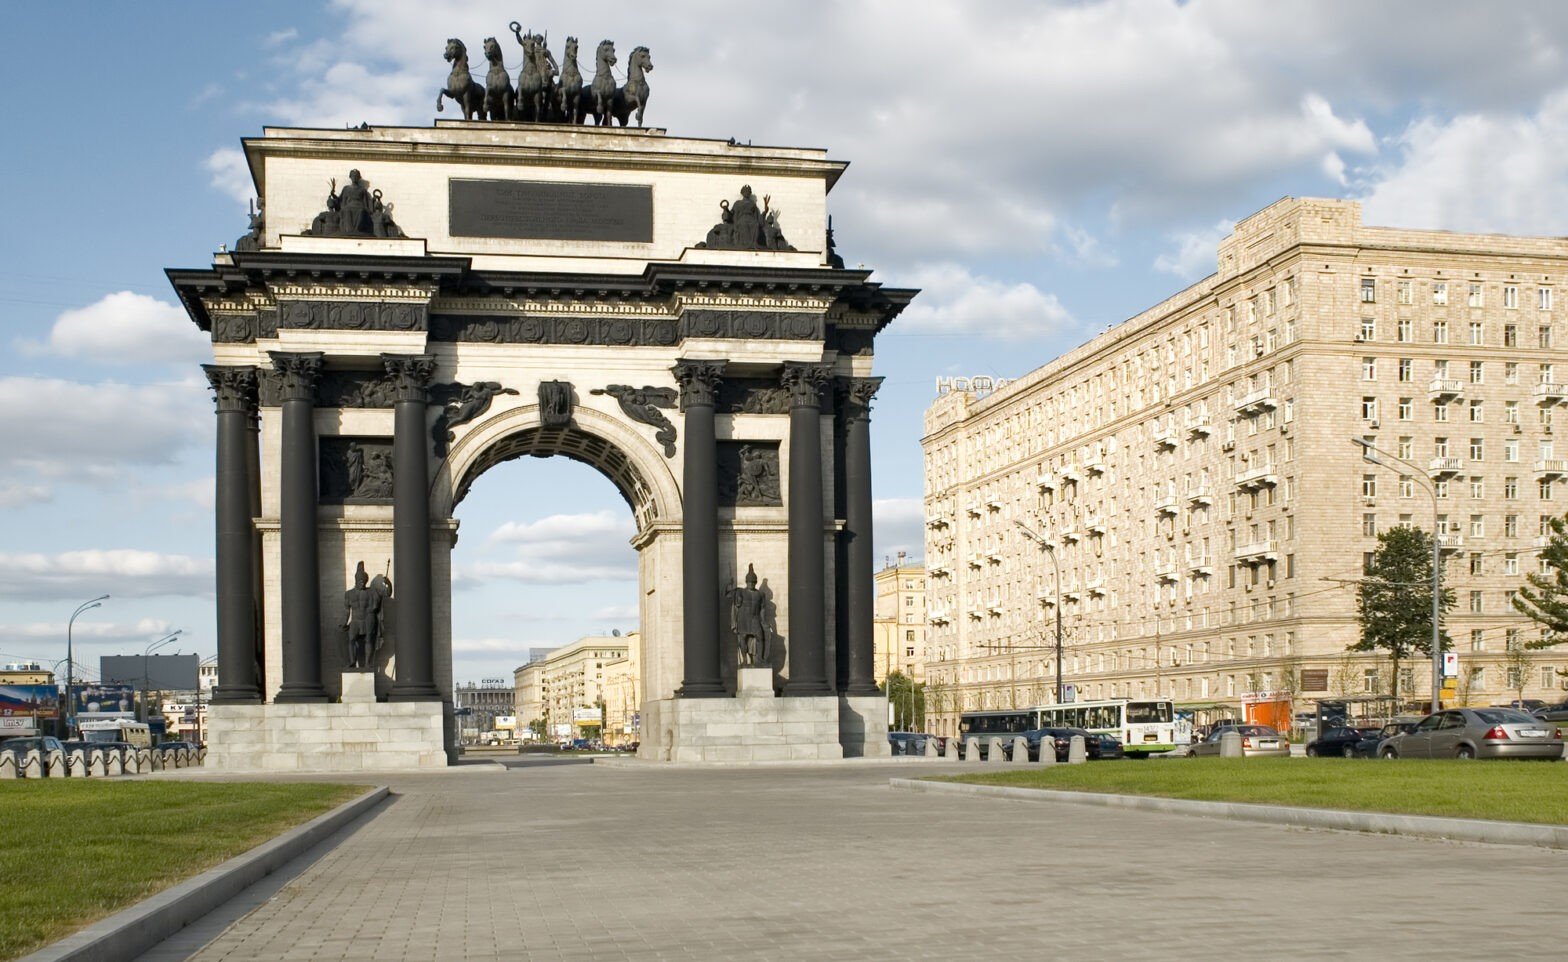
pixel 1095 586
pixel 1551 467
pixel 1165 572
pixel 1200 567
pixel 1095 525
pixel 1071 593
pixel 935 521
pixel 1046 482
pixel 1258 552
pixel 1166 505
pixel 1443 468
pixel 1256 478
pixel 1093 464
pixel 1072 536
pixel 1202 497
pixel 993 505
pixel 1547 394
pixel 976 562
pixel 940 571
pixel 1450 542
pixel 994 609
pixel 939 617
pixel 1256 401
pixel 1445 389
pixel 1046 599
pixel 972 509
pixel 1164 439
pixel 993 558
pixel 1200 427
pixel 1071 475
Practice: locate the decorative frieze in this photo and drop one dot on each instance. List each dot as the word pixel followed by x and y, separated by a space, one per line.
pixel 749 474
pixel 233 328
pixel 771 325
pixel 752 396
pixel 546 329
pixel 353 315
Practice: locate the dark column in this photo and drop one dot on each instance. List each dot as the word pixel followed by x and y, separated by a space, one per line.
pixel 257 588
pixel 238 679
pixel 857 577
pixel 808 670
pixel 410 375
pixel 840 541
pixel 699 381
pixel 300 563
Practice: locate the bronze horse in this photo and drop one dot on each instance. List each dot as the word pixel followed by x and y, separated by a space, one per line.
pixel 634 95
pixel 536 82
pixel 500 99
pixel 603 89
pixel 571 84
pixel 460 85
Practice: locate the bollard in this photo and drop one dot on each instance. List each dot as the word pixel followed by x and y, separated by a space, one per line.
pixel 132 762
pixel 1047 750
pixel 56 763
pixel 201 755
pixel 950 749
pixel 1020 750
pixel 76 763
pixel 994 752
pixel 7 766
pixel 972 750
pixel 1230 745
pixel 32 765
pixel 1077 752
pixel 930 751
pixel 113 765
pixel 144 759
pixel 96 763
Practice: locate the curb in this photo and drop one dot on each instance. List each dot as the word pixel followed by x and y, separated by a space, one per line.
pixel 1376 823
pixel 130 932
pixel 877 761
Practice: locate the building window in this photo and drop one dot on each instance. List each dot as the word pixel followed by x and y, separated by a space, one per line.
pixel 1405 296
pixel 1510 412
pixel 1546 489
pixel 1510 526
pixel 1477 372
pixel 1477 333
pixel 1477 530
pixel 1407 486
pixel 1440 412
pixel 1477 412
pixel 1440 447
pixel 1510 335
pixel 1369 681
pixel 1511 563
pixel 1511 372
pixel 1543 336
pixel 1407 447
pixel 1369 369
pixel 1440 488
pixel 1368 290
pixel 1406 369
pixel 1406 409
pixel 1475 562
pixel 1473 299
pixel 1510 297
pixel 1478 449
pixel 1548 676
pixel 1369 485
pixel 1368 329
pixel 1439 332
pixel 1369 409
pixel 1510 451
pixel 1477 489
pixel 1543 298
pixel 1439 292
pixel 1369 526
pixel 1475 603
pixel 1477 639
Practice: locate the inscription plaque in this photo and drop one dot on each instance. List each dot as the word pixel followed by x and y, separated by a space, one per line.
pixel 538 210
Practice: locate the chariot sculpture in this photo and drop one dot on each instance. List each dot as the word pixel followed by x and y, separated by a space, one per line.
pixel 547 91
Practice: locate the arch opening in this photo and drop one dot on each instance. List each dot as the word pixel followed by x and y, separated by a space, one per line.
pixel 577 445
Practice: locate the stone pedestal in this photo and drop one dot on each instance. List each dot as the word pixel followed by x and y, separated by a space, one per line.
pixel 754 726
pixel 355 735
pixel 862 721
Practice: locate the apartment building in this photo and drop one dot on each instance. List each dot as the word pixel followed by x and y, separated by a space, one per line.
pixel 567 689
pixel 1194 474
pixel 899 620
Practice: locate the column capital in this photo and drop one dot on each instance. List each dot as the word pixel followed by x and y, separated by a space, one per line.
pixel 804 381
pixel 699 381
pixel 410 374
pixel 301 371
pixel 234 387
pixel 855 394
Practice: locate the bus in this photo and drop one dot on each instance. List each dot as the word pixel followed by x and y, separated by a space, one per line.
pixel 136 734
pixel 1144 727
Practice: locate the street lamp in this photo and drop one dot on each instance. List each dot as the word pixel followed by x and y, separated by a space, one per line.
pixel 1050 550
pixel 147 652
pixel 1372 453
pixel 70 659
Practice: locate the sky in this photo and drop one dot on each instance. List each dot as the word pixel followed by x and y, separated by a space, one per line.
pixel 1040 170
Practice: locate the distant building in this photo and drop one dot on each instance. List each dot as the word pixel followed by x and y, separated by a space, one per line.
pixel 623 695
pixel 484 701
pixel 900 621
pixel 565 691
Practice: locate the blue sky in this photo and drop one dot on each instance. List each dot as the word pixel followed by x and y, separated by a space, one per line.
pixel 1040 170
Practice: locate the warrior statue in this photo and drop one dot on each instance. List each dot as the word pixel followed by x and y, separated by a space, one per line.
pixel 365 618
pixel 748 619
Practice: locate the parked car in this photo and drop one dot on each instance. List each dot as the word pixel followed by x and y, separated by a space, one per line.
pixel 1257 741
pixel 123 749
pixel 1367 747
pixel 18 748
pixel 1341 741
pixel 1097 747
pixel 908 743
pixel 1476 733
pixel 1202 732
pixel 1525 704
pixel 1552 713
pixel 166 747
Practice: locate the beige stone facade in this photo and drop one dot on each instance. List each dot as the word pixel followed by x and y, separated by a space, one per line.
pixel 900 621
pixel 1194 471
pixel 622 694
pixel 568 684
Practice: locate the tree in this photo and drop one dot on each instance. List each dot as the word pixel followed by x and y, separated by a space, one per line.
pixel 1394 602
pixel 1516 662
pixel 908 700
pixel 1544 596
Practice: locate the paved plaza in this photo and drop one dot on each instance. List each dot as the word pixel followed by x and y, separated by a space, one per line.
pixel 567 860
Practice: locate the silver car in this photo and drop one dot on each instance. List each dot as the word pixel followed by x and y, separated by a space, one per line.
pixel 1257 741
pixel 1476 733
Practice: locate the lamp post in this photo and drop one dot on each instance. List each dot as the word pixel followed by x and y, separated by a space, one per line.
pixel 70 656
pixel 147 652
pixel 1050 550
pixel 1372 453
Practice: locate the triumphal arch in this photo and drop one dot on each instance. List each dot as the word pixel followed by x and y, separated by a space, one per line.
pixel 413 305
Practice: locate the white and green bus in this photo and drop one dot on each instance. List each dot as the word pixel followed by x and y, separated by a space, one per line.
pixel 1144 727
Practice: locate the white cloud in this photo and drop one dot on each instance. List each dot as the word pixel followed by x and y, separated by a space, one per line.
pixel 78 431
pixel 899 526
pixel 563 549
pixel 230 174
pixel 123 572
pixel 278 37
pixel 955 301
pixel 1194 254
pixel 14 495
pixel 1473 172
pixel 127 328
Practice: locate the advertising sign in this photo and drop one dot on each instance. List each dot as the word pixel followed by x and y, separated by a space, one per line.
pixel 91 702
pixel 506 723
pixel 590 716
pixel 29 700
pixel 1069 694
pixel 16 725
pixel 1450 664
pixel 161 672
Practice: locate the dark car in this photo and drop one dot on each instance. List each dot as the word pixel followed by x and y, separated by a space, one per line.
pixel 907 743
pixel 1096 747
pixel 1526 704
pixel 18 748
pixel 1367 747
pixel 1340 741
pixel 1202 732
pixel 166 747
pixel 1552 713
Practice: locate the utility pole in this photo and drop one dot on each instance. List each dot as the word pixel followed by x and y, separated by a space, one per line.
pixel 1050 550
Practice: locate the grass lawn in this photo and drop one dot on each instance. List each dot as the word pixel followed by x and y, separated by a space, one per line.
pixel 75 850
pixel 1504 790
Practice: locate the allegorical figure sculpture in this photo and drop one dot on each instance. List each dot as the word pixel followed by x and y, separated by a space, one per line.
pixel 354 211
pixel 743 227
pixel 642 404
pixel 258 225
pixel 758 482
pixel 365 617
pixel 749 620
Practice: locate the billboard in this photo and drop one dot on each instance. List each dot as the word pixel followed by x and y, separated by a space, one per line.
pixel 89 702
pixel 17 701
pixel 161 672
